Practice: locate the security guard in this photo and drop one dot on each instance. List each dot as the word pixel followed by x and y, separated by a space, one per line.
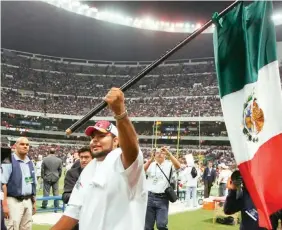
pixel 19 187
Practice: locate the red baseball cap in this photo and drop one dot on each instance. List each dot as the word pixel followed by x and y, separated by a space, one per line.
pixel 103 127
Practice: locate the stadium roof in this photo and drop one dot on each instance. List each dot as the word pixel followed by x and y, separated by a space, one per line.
pixel 172 11
pixel 41 28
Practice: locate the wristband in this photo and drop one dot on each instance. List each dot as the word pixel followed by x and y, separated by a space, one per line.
pixel 121 116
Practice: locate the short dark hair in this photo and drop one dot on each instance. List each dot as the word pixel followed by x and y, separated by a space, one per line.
pixel 84 149
pixel 52 151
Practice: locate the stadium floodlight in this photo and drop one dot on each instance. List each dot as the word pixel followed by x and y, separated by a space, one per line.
pixel 82 9
pixel 79 7
pixel 149 22
pixel 129 19
pixel 51 1
pixel 118 17
pixel 137 22
pixel 75 4
pixel 91 12
pixel 277 17
pixel 179 25
pixel 104 15
pixel 198 25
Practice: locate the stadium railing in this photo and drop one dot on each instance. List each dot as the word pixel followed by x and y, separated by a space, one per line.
pixel 49 198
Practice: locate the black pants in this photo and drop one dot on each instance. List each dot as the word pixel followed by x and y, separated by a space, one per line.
pixel 207 189
pixel 157 211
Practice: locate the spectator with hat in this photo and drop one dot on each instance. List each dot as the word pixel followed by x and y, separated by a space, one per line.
pixel 110 192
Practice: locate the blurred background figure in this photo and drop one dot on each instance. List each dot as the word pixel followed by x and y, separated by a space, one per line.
pixel 38 165
pixel 209 177
pixel 191 175
pixel 51 171
pixel 224 175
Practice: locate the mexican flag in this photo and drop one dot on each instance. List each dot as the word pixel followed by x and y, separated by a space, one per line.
pixel 251 99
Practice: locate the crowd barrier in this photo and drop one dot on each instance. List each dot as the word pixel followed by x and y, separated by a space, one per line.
pixel 53 209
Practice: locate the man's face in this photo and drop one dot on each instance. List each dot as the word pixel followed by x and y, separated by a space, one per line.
pixel 160 155
pixel 85 158
pixel 210 164
pixel 22 146
pixel 102 144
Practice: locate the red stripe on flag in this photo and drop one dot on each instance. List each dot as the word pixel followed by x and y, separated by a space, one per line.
pixel 263 178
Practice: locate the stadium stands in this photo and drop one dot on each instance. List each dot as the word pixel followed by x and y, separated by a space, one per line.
pixel 60 88
pixel 48 86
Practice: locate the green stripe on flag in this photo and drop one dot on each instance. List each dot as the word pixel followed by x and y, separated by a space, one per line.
pixel 244 42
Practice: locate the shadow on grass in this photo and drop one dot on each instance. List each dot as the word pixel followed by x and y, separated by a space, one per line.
pixel 210 220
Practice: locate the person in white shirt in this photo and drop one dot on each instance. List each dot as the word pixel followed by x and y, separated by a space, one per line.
pixel 69 162
pixel 191 181
pixel 110 193
pixel 223 177
pixel 38 172
pixel 158 203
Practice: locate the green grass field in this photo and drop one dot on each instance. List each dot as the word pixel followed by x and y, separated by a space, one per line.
pixel 197 220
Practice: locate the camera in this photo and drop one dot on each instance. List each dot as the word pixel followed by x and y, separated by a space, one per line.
pixel 237 179
pixel 6 155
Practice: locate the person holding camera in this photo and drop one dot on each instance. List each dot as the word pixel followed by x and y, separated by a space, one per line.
pixel 239 200
pixel 159 172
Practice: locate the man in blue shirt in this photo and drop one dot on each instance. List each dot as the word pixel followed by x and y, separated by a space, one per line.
pixel 19 188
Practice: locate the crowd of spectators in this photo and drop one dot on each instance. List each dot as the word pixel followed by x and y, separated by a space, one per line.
pixel 141 107
pixel 170 90
pixel 49 86
pixel 202 153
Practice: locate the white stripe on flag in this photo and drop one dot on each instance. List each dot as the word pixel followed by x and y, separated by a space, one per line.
pixel 268 94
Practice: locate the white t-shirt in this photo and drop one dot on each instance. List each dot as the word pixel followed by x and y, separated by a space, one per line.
pixel 108 197
pixel 224 175
pixel 38 168
pixel 188 179
pixel 156 181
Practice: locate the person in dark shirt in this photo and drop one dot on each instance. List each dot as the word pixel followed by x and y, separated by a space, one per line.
pixel 239 200
pixel 72 176
pixel 85 156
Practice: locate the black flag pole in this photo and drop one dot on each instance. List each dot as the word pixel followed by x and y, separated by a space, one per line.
pixel 147 70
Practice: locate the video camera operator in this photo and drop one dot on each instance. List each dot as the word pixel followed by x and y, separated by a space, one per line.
pixel 239 199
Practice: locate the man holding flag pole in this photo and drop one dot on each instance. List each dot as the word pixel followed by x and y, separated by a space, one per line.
pixel 251 99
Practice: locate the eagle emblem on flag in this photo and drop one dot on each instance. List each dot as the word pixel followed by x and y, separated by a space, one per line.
pixel 253 118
